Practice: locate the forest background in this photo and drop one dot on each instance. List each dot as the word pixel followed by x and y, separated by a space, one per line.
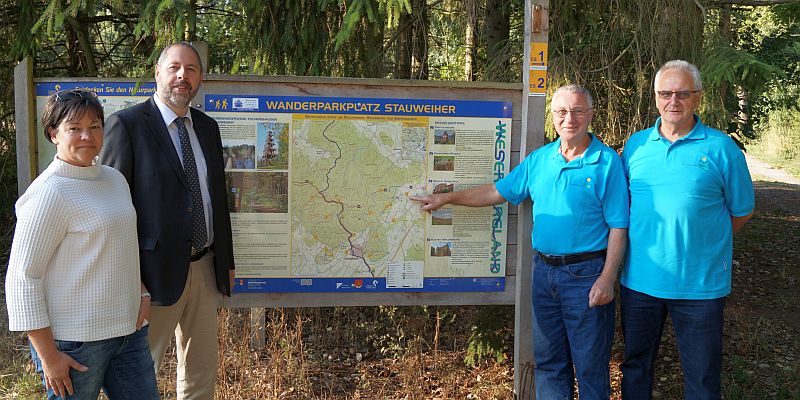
pixel 748 51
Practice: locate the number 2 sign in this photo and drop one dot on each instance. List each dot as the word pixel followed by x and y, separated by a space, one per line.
pixel 537 81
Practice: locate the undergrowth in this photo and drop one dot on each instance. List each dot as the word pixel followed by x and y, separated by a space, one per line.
pixel 779 141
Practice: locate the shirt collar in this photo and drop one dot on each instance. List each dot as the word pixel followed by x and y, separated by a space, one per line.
pixel 592 153
pixel 590 156
pixel 167 114
pixel 697 132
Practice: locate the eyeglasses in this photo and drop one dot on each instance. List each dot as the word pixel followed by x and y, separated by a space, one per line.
pixel 578 112
pixel 682 94
pixel 65 95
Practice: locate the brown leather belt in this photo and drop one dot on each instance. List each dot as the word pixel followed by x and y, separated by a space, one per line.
pixel 558 261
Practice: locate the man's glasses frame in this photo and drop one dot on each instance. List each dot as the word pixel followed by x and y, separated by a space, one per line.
pixel 577 112
pixel 682 94
pixel 65 95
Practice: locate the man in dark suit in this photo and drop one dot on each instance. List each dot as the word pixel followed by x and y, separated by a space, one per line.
pixel 171 156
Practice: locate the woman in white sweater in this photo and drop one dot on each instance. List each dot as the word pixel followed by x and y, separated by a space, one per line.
pixel 73 276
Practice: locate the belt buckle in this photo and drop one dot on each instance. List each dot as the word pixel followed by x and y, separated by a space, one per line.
pixel 199 254
pixel 552 260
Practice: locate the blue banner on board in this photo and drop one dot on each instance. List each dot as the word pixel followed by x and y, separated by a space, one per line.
pixel 101 88
pixel 364 285
pixel 357 106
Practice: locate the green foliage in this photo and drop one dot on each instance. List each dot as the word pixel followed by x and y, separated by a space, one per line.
pixel 393 9
pixel 446 24
pixel 311 37
pixel 164 20
pixel 614 50
pixel 356 11
pixel 746 76
pixel 56 13
pixel 488 336
pixel 8 155
pixel 295 44
pixel 727 65
pixel 23 45
pixel 53 15
pixel 752 52
pixel 773 35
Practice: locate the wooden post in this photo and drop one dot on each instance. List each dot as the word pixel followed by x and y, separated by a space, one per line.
pixel 534 75
pixel 25 120
pixel 202 49
pixel 258 321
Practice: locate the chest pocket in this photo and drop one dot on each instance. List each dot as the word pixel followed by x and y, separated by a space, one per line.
pixel 581 193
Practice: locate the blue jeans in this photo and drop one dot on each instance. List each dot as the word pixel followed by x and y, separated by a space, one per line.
pixel 121 366
pixel 567 333
pixel 698 328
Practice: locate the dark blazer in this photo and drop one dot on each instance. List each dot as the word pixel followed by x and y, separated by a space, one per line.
pixel 137 144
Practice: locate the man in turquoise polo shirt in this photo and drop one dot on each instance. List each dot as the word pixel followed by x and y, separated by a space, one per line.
pixel 580 218
pixel 690 192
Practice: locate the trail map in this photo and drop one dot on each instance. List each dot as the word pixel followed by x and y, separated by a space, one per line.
pixel 319 192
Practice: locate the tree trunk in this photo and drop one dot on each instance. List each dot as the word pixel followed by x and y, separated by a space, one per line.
pixel 374 50
pixel 419 47
pixel 680 20
pixel 469 51
pixel 744 127
pixel 86 64
pixel 191 21
pixel 402 46
pixel 727 36
pixel 497 33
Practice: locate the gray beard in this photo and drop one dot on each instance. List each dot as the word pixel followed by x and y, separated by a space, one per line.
pixel 176 100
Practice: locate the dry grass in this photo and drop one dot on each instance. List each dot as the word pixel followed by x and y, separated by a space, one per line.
pixel 351 353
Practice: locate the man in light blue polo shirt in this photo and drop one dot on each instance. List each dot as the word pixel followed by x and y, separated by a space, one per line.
pixel 690 192
pixel 580 218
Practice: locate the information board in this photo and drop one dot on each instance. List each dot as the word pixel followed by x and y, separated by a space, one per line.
pixel 319 187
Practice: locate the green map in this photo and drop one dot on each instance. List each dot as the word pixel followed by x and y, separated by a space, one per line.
pixel 350 182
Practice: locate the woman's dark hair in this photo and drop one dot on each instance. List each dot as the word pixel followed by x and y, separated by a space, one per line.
pixel 68 105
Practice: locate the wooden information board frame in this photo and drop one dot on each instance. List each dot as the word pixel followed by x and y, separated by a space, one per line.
pixel 27 162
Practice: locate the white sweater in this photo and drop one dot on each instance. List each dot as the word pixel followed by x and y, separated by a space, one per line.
pixel 74 262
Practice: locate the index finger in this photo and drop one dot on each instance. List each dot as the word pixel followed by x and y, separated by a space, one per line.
pixel 592 298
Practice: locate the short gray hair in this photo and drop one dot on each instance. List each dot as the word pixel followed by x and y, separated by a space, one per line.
pixel 163 54
pixel 573 88
pixel 684 66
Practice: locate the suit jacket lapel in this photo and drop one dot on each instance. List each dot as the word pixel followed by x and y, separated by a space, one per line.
pixel 159 131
